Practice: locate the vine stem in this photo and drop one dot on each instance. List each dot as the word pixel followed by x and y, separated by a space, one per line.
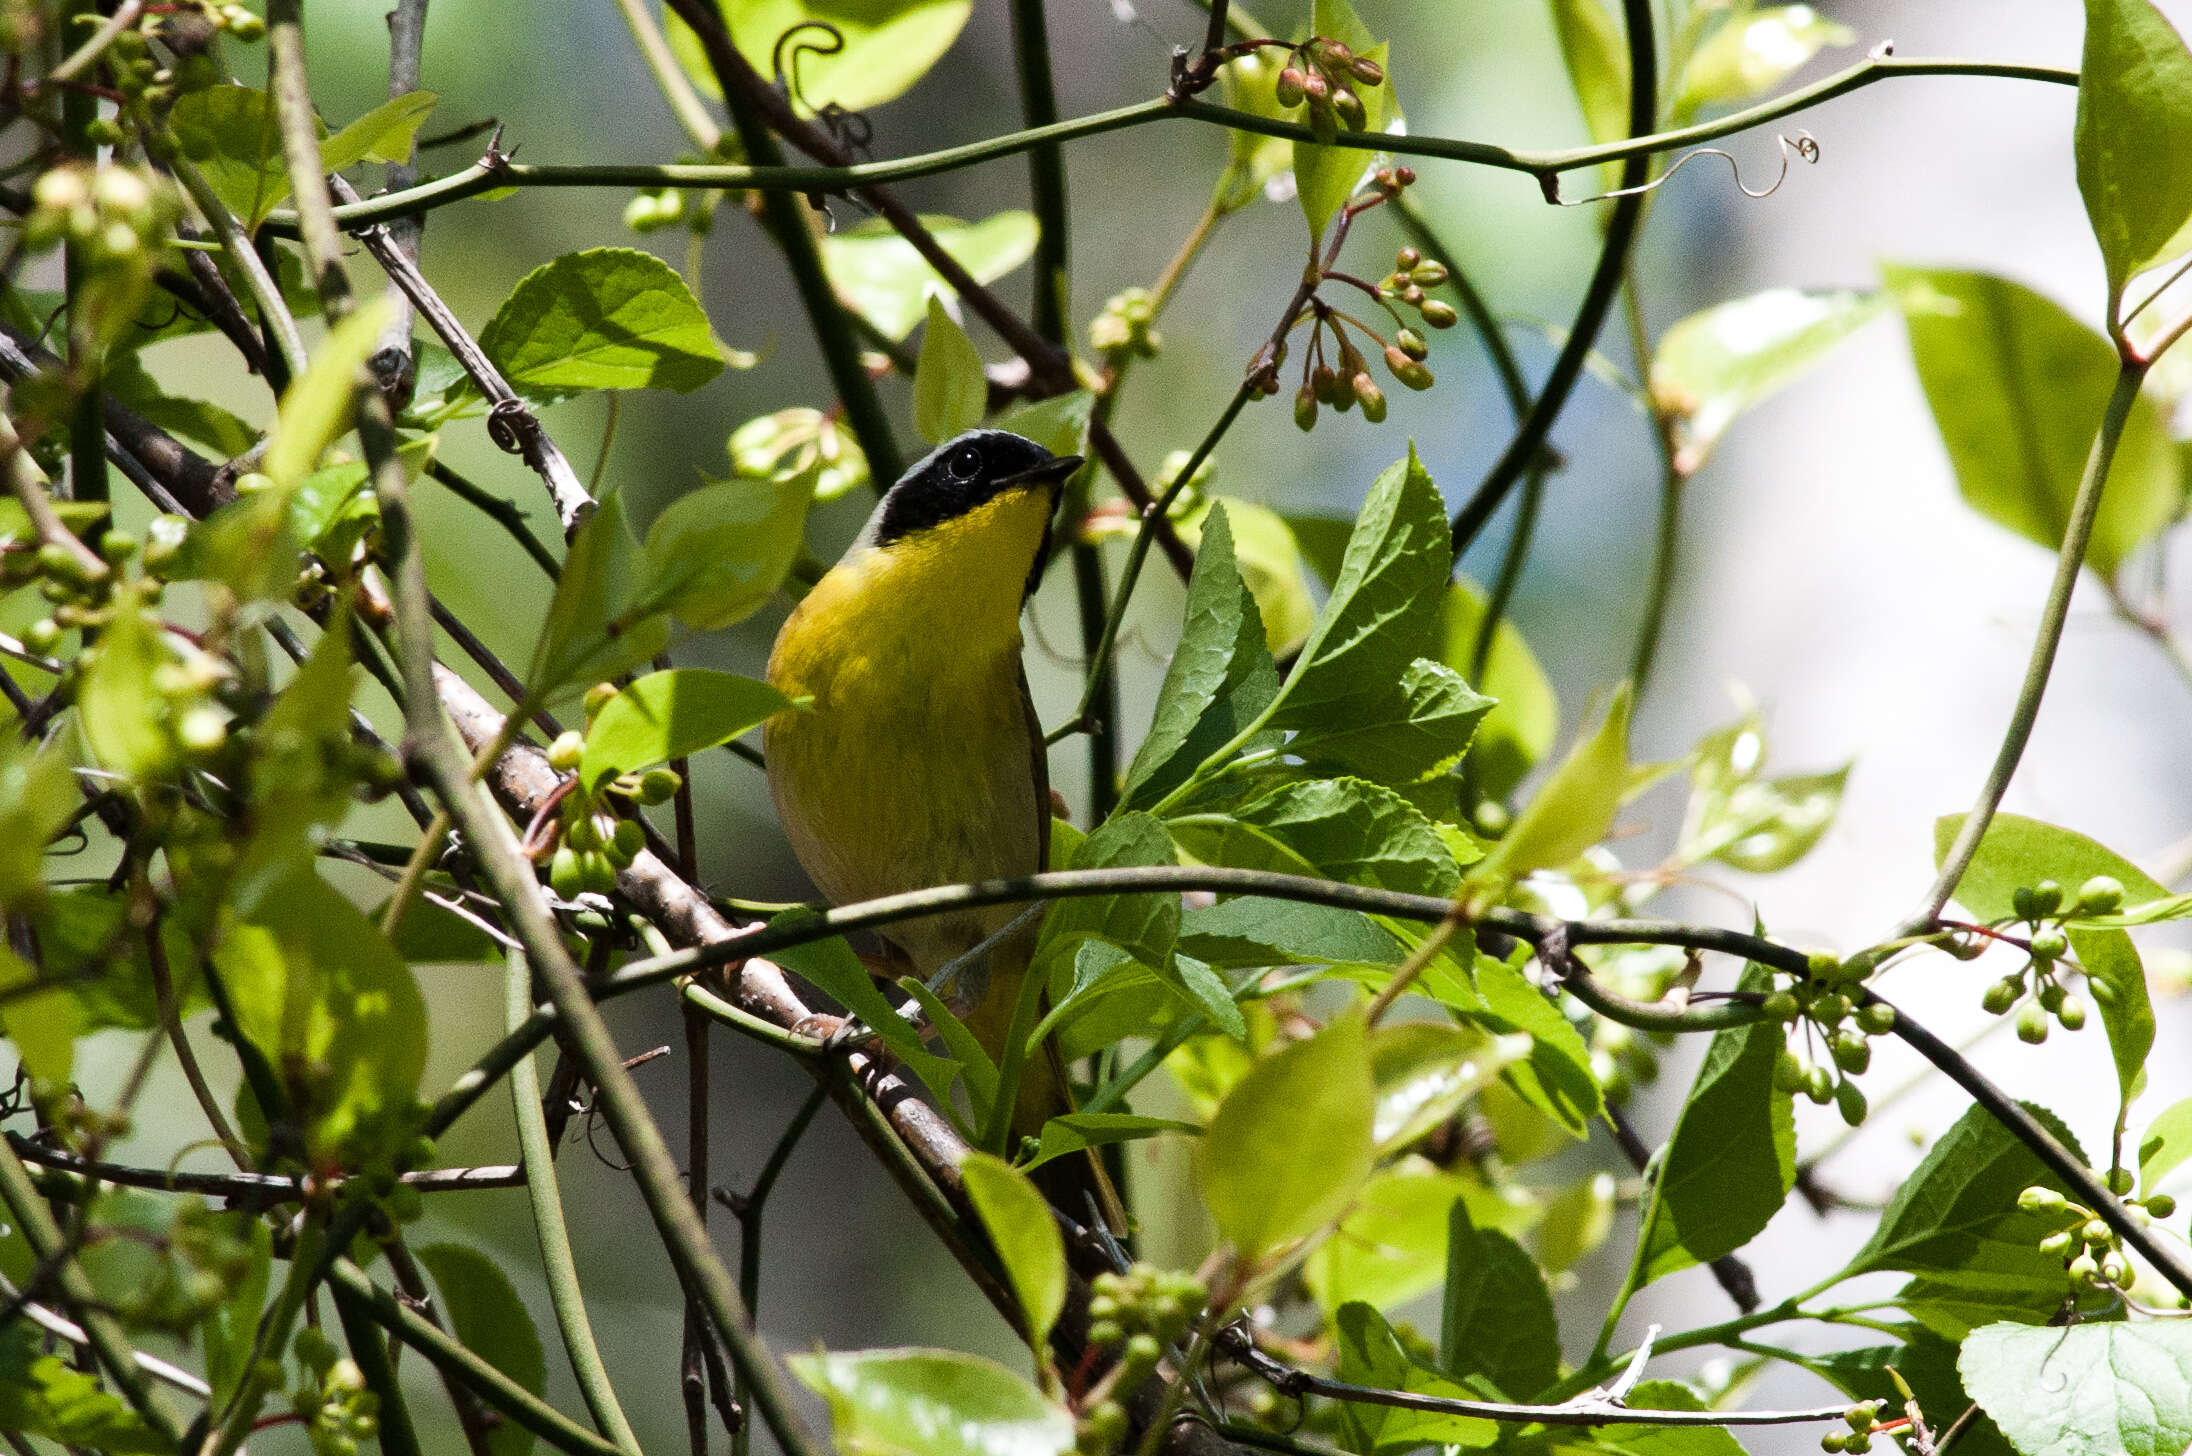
pixel 565 1293
pixel 2069 561
pixel 1671 481
pixel 773 177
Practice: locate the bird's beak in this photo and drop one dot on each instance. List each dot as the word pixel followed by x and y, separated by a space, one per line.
pixel 1054 471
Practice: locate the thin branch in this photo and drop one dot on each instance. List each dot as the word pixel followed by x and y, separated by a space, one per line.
pixel 505 513
pixel 669 76
pixel 1046 170
pixel 1671 481
pixel 511 423
pixel 558 1266
pixel 63 1328
pixel 395 364
pixel 773 177
pixel 2069 562
pixel 246 1187
pixel 28 483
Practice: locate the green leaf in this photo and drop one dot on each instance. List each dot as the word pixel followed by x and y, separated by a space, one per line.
pixel 231 1327
pixel 1741 819
pixel 1251 931
pixel 486 1315
pixel 126 379
pixel 324 995
pixel 1732 1158
pixel 1026 1238
pixel 1714 365
pixel 1636 1439
pixel 950 391
pixel 1426 1070
pixel 1145 926
pixel 1556 1077
pixel 300 777
pixel 1597 58
pixel 1522 726
pixel 1372 1353
pixel 1576 1222
pixel 1419 728
pixel 41 1025
pixel 44 1395
pixel 316 408
pixel 1220 678
pixel 1251 84
pixel 602 619
pixel 2134 136
pixel 719 552
pixel 2106 1389
pixel 1391 1247
pixel 1957 1214
pixel 2018 387
pixel 1383 611
pixel 384 134
pixel 2017 851
pixel 1497 1318
pixel 1058 424
pixel 1311 1094
pixel 673 714
pixel 1270 562
pixel 38 793
pixel 229 132
pixel 1343 829
pixel 1927 1364
pixel 1752 52
pixel 880 275
pixel 119 712
pixel 603 318
pixel 888 45
pixel 1575 808
pixel 1077 1132
pixel 932 1403
pixel 1325 177
pixel 2165 1145
pixel 799 448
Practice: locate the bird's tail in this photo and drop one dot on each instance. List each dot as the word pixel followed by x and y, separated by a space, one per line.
pixel 1045 1091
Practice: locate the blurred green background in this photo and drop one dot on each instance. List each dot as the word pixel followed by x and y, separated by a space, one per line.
pixel 1828 565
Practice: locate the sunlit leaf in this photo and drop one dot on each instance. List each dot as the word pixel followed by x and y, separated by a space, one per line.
pixel 933 1403
pixel 1497 1318
pixel 316 408
pixel 602 619
pixel 1714 365
pixel 1575 808
pixel 1598 65
pixel 950 392
pixel 1025 1236
pixel 2102 1389
pixel 671 714
pixel 1312 1094
pixel 716 554
pixel 1373 1353
pixel 879 273
pixel 888 45
pixel 1753 52
pixel 1391 1248
pixel 2134 135
pixel 603 318
pixel 2165 1145
pixel 2018 388
pixel 1325 177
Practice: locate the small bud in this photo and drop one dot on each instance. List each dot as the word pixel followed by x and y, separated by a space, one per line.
pixel 1350 108
pixel 1305 407
pixel 630 838
pixel 2047 898
pixel 2002 995
pixel 2071 1013
pixel 1367 71
pixel 1789 1071
pixel 2116 1269
pixel 1780 1006
pixel 1371 398
pixel 1831 1009
pixel 2032 1024
pixel 597 873
pixel 1831 1442
pixel 1142 1350
pixel 1406 259
pixel 2083 1268
pixel 1819 1086
pixel 2043 1200
pixel 1849 1100
pixel 1315 87
pixel 1876 1017
pixel 1324 385
pixel 563 873
pixel 42 635
pixel 2050 996
pixel 1405 176
pixel 658 786
pixel 2049 944
pixel 597 698
pixel 2021 904
pixel 1852 1053
pixel 2161 1205
pixel 202 730
pixel 2101 895
pixel 2057 1245
pixel 1428 274
pixel 1338 52
pixel 1413 344
pixel 565 753
pixel 582 835
pixel 1291 87
pixel 1438 313
pixel 2119 1181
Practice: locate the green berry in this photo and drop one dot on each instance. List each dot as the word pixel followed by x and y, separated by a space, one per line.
pixel 1413 344
pixel 2047 898
pixel 2050 996
pixel 1876 1017
pixel 1831 1441
pixel 1305 408
pixel 2119 1181
pixel 566 752
pixel 2021 903
pixel 2116 1269
pixel 1819 1086
pixel 1852 1053
pixel 42 635
pixel 2071 1013
pixel 597 698
pixel 1849 1100
pixel 1142 1350
pixel 2002 995
pixel 2049 944
pixel 659 785
pixel 1103 1334
pixel 2101 895
pixel 563 873
pixel 2161 1205
pixel 1439 314
pixel 1103 1307
pixel 2032 1023
pixel 1831 1009
pixel 1370 397
pixel 1789 1072
pixel 1780 1006
pixel 2097 1233
pixel 630 838
pixel 582 834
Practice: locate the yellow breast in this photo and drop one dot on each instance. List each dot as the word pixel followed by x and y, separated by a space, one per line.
pixel 914 764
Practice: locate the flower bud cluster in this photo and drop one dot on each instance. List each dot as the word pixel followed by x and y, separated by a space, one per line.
pixel 330 1399
pixel 2091 1251
pixel 115 215
pixel 1859 1424
pixel 1324 74
pixel 2036 990
pixel 1140 1313
pixel 1127 327
pixel 1830 1003
pixel 598 833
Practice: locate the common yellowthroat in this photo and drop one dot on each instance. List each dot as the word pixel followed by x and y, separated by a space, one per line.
pixel 920 761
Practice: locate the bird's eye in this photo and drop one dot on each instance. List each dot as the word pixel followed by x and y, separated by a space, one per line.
pixel 964 463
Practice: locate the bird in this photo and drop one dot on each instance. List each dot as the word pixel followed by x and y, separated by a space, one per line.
pixel 918 759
